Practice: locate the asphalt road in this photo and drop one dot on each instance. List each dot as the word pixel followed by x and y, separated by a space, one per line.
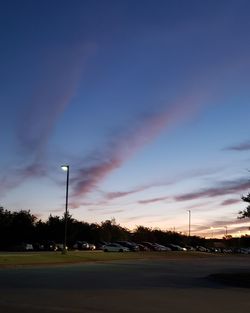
pixel 131 286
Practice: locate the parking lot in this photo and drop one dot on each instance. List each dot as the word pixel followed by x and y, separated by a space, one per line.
pixel 174 285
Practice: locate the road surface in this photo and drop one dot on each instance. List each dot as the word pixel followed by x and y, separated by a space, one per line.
pixel 174 286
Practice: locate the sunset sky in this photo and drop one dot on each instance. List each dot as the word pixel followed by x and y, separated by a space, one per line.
pixel 147 101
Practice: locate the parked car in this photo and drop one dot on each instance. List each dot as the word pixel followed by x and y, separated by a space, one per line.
pixel 28 247
pixel 22 247
pixel 214 250
pixel 161 247
pixel 131 246
pixel 81 245
pixel 50 246
pixel 99 244
pixel 92 246
pixel 190 248
pixel 243 250
pixel 201 249
pixel 227 250
pixel 142 247
pixel 114 247
pixel 150 245
pixel 176 247
pixel 60 247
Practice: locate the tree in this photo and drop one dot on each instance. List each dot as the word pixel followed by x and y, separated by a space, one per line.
pixel 142 233
pixel 16 227
pixel 5 228
pixel 111 231
pixel 245 213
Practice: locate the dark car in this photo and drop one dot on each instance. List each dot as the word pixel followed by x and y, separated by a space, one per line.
pixel 130 245
pixel 142 247
pixel 150 245
pixel 99 244
pixel 81 245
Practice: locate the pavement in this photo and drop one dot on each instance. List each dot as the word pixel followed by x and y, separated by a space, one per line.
pixel 176 286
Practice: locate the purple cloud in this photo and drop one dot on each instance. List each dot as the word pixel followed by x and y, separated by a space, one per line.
pixel 52 89
pixel 244 146
pixel 153 200
pixel 223 189
pixel 230 201
pixel 123 146
pixel 119 194
pixel 178 178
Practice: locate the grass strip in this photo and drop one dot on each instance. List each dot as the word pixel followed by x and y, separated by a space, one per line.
pixel 38 258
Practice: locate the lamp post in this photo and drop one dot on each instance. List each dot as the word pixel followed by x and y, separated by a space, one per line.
pixel 66 169
pixel 189 222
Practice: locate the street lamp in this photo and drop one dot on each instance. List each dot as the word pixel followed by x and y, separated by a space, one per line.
pixel 66 169
pixel 189 222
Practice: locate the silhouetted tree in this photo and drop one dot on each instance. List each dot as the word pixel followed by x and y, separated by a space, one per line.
pixel 16 227
pixel 245 213
pixel 142 233
pixel 23 227
pixel 5 228
pixel 111 231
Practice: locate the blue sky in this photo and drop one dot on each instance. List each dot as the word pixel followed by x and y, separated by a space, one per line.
pixel 147 101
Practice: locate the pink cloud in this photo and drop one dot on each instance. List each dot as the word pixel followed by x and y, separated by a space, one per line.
pixel 184 176
pixel 231 201
pixel 87 179
pixel 223 189
pixel 124 146
pixel 119 194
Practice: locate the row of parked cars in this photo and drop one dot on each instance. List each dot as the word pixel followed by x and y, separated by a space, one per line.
pixel 53 246
pixel 125 246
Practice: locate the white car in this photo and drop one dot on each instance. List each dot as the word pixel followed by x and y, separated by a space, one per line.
pixel 114 247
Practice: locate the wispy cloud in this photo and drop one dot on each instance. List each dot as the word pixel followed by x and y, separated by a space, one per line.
pixel 51 91
pixel 243 146
pixel 171 181
pixel 123 146
pixel 119 194
pixel 153 200
pixel 230 201
pixel 224 188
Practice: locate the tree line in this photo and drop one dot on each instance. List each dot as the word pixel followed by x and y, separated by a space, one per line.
pixel 22 226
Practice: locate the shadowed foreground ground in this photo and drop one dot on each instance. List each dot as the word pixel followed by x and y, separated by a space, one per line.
pixel 174 286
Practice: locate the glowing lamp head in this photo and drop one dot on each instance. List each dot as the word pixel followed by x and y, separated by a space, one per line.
pixel 65 168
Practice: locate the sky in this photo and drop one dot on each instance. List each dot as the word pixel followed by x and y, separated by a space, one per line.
pixel 147 101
